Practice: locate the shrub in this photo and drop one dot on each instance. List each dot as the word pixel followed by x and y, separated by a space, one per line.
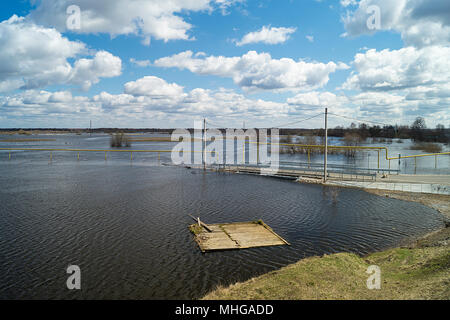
pixel 23 132
pixel 119 140
pixel 353 140
pixel 427 147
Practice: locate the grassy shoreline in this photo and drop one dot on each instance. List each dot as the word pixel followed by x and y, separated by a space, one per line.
pixel 420 270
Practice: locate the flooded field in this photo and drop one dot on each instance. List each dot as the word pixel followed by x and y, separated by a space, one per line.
pixel 126 223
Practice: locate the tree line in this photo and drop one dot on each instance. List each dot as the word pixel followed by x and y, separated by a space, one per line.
pixel 417 131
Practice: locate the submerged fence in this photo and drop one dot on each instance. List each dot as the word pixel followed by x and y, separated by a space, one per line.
pixel 216 154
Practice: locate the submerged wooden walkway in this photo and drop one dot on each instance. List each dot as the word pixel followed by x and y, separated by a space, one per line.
pixel 237 235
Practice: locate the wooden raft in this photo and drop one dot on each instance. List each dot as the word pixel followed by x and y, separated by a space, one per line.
pixel 238 235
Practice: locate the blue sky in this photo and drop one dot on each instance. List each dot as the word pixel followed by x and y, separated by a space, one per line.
pixel 264 61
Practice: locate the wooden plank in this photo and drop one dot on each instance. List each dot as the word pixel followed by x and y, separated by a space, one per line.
pixel 270 229
pixel 239 235
pixel 204 225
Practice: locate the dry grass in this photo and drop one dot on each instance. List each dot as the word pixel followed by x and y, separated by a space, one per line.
pixel 150 139
pixel 26 140
pixel 32 132
pixel 195 229
pixel 427 147
pixel 169 139
pixel 420 273
pixel 439 202
pixel 23 132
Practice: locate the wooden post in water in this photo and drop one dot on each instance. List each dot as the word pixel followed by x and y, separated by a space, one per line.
pixel 378 160
pixel 399 156
pixel 257 150
pixel 202 224
pixel 78 156
pixel 9 155
pixel 415 165
pixel 51 156
pixel 309 157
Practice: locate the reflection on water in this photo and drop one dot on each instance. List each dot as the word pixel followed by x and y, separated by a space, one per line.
pixel 125 225
pixel 362 159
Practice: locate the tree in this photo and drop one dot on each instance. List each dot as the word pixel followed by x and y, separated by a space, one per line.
pixel 375 131
pixel 417 129
pixel 363 131
pixel 419 123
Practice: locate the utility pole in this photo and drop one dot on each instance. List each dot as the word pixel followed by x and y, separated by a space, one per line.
pixel 90 127
pixel 325 154
pixel 204 143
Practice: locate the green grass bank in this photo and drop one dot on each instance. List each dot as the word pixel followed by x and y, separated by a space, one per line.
pixel 419 271
pixel 406 273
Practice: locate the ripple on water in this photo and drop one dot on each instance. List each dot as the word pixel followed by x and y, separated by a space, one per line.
pixel 126 227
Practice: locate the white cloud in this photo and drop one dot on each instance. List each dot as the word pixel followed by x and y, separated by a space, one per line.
pixel 43 103
pixel 154 87
pixel 267 35
pixel 385 107
pixel 88 71
pixel 400 69
pixel 140 63
pixel 33 57
pixel 401 84
pixel 224 5
pixel 159 19
pixel 139 105
pixel 152 94
pixel 317 99
pixel 7 85
pixel 257 70
pixel 346 3
pixel 310 38
pixel 60 96
pixel 420 22
pixel 145 99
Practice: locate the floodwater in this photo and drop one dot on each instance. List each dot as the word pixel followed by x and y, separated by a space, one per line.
pixel 369 159
pixel 125 223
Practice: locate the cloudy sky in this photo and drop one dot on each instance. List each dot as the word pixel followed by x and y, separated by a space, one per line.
pixel 166 63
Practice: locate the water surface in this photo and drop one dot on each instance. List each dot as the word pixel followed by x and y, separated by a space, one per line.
pixel 125 224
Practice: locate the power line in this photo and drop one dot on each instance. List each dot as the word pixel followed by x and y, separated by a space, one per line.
pixel 213 124
pixel 363 121
pixel 221 126
pixel 287 124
